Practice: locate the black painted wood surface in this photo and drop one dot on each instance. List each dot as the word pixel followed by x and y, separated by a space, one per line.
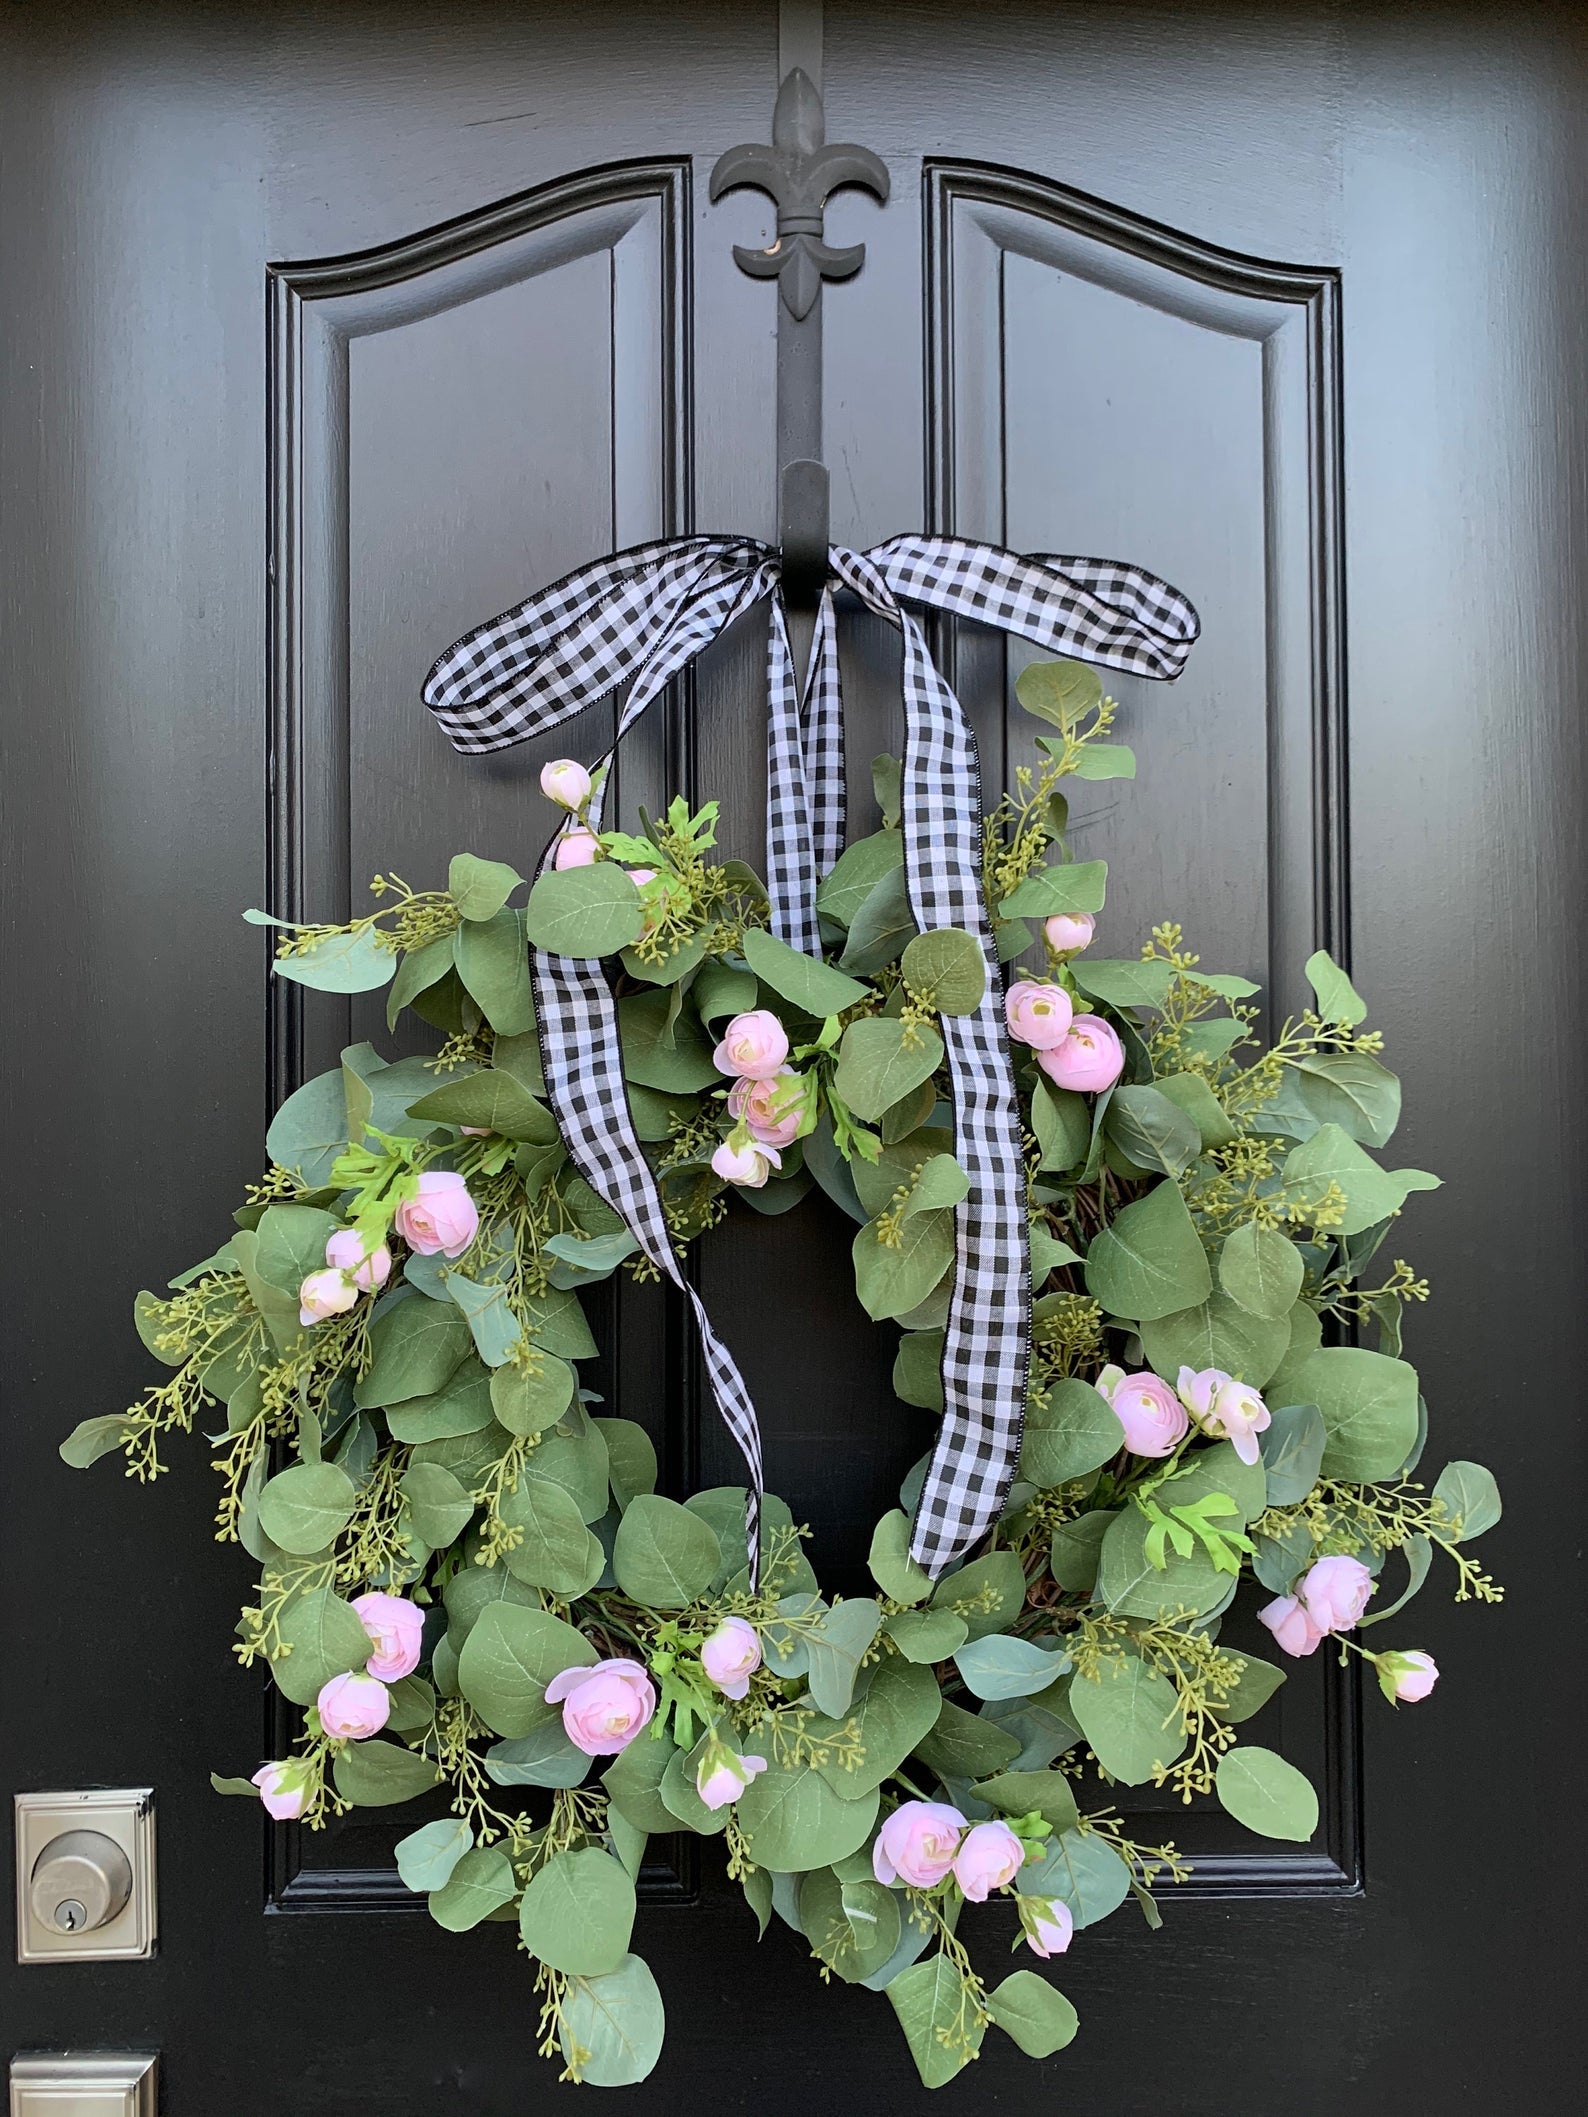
pixel 326 333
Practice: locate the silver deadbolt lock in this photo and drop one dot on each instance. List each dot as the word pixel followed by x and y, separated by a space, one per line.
pixel 81 1880
pixel 85 1875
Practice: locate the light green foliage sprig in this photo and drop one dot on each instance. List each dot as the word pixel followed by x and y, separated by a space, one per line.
pixel 1220 1206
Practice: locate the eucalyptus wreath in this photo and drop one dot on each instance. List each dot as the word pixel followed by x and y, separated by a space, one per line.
pixel 469 1583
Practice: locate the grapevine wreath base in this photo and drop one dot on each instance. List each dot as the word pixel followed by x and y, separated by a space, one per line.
pixel 468 1580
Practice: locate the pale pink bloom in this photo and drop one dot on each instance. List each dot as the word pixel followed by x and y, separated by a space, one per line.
pixel 723 1775
pixel 1038 1015
pixel 753 1046
pixel 578 849
pixel 917 1844
pixel 1406 1675
pixel 1334 1593
pixel 345 1249
pixel 322 1294
pixel 604 1707
pixel 747 1166
pixel 771 1111
pixel 396 1629
pixel 1090 1059
pixel 731 1656
pixel 1048 1924
pixel 1292 1628
pixel 1153 1417
pixel 283 1788
pixel 639 876
pixel 443 1217
pixel 989 1858
pixel 352 1708
pixel 565 782
pixel 1068 932
pixel 1225 1408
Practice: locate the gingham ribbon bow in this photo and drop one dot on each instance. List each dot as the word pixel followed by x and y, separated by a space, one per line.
pixel 639 618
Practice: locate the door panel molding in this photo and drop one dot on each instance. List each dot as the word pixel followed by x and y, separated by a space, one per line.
pixel 984 229
pixel 325 316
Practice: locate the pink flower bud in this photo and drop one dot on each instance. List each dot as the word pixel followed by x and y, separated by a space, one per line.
pixel 322 1294
pixel 1038 1015
pixel 566 783
pixel 1090 1059
pixel 578 849
pixel 1068 932
pixel 604 1707
pixel 1152 1415
pixel 1226 1409
pixel 283 1788
pixel 722 1774
pixel 396 1629
pixel 753 1046
pixel 989 1858
pixel 1048 1924
pixel 352 1708
pixel 442 1217
pixel 345 1249
pixel 917 1844
pixel 731 1656
pixel 1406 1675
pixel 747 1166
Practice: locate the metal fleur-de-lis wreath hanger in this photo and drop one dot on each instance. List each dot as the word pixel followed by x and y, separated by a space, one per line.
pixel 799 172
pixel 632 623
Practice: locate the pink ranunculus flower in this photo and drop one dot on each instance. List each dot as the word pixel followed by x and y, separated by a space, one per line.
pixel 639 876
pixel 443 1217
pixel 1153 1417
pixel 731 1656
pixel 1068 932
pixel 989 1858
pixel 396 1629
pixel 322 1294
pixel 1225 1408
pixel 578 849
pixel 1048 1924
pixel 722 1775
pixel 604 1707
pixel 345 1250
pixel 566 782
pixel 753 1046
pixel 748 1166
pixel 283 1788
pixel 771 1111
pixel 1090 1059
pixel 1292 1628
pixel 917 1844
pixel 1038 1015
pixel 1406 1674
pixel 1334 1593
pixel 352 1708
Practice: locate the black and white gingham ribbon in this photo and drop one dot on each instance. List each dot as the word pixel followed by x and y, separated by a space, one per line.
pixel 639 618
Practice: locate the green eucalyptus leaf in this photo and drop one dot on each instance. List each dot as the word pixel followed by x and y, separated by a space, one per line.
pixel 461 1406
pixel 852 1926
pixel 1028 2009
pixel 89 1439
pixel 1082 1870
pixel 860 867
pixel 543 1757
pixel 1062 1121
pixel 941 2023
pixel 895 1278
pixel 354 962
pixel 1076 886
pixel 492 1101
pixel 793 1820
pixel 835 1650
pixel 509 1657
pixel 665 1556
pixel 309 1131
pixel 1060 692
pixel 667 1052
pixel 1149 1261
pixel 879 1061
pixel 492 958
pixel 989 1593
pixel 1217 1333
pixel 965 1745
pixel 926 1636
pixel 1151 1131
pixel 1133 983
pixel 999 1666
pixel 881 926
pixel 1369 1408
pixel 479 888
pixel 1070 1430
pixel 615 2023
pixel 1372 1194
pixel 1292 1448
pixel 428 1855
pixel 1470 1498
pixel 892 1568
pixel 1338 999
pixel 585 911
pixel 1265 1793
pixel 1048 1794
pixel 1131 1717
pixel 947 969
pixel 556 1551
pixel 899 1709
pixel 1353 1090
pixel 324 1638
pixel 379 1774
pixel 306 1507
pixel 480 1883
pixel 578 1912
pixel 1262 1270
pixel 528 1401
pixel 815 988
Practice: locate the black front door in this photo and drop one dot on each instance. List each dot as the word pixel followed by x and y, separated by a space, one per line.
pixel 328 334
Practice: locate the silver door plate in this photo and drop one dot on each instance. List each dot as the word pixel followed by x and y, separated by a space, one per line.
pixel 123 1814
pixel 83 2084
